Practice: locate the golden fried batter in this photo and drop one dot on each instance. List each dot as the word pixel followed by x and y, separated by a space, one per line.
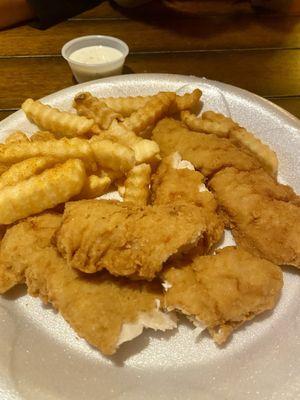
pixel 174 181
pixel 15 252
pixel 104 310
pixel 264 215
pixel 208 153
pixel 132 241
pixel 223 291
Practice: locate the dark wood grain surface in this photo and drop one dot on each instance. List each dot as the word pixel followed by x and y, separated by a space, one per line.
pixel 222 40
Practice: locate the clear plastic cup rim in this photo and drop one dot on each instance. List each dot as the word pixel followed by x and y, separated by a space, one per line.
pixel 66 46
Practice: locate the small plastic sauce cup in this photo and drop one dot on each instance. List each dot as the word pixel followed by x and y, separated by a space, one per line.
pixel 84 72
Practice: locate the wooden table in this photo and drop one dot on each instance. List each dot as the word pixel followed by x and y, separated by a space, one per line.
pixel 231 43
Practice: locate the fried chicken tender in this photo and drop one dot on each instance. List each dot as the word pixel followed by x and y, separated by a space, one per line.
pixel 104 310
pixel 176 181
pixel 132 241
pixel 17 250
pixel 223 126
pixel 223 291
pixel 208 153
pixel 264 215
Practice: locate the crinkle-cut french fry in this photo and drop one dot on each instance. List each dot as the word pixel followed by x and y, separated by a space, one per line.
pixel 145 150
pixel 94 186
pixel 62 149
pixel 188 101
pixel 125 105
pixel 121 134
pixel 220 118
pixel 51 119
pixel 128 105
pixel 137 184
pixel 267 157
pixel 25 169
pixel 204 125
pixel 16 137
pixel 156 108
pixel 38 193
pixel 43 136
pixel 93 108
pixel 113 155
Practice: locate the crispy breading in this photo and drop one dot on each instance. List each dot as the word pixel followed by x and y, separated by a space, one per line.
pixel 17 247
pixel 174 182
pixel 222 126
pixel 264 215
pixel 132 241
pixel 223 291
pixel 208 153
pixel 102 309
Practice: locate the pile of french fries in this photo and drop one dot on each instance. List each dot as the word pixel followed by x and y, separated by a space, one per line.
pixel 81 156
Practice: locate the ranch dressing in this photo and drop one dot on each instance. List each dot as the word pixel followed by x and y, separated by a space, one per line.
pixel 96 55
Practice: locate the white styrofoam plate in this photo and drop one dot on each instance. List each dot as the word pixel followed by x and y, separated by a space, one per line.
pixel 42 358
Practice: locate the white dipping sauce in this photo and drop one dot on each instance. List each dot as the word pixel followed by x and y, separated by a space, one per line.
pixel 96 55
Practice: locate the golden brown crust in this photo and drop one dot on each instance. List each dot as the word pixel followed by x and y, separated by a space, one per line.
pixel 223 291
pixel 264 215
pixel 15 251
pixel 95 306
pixel 208 153
pixel 170 185
pixel 132 241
